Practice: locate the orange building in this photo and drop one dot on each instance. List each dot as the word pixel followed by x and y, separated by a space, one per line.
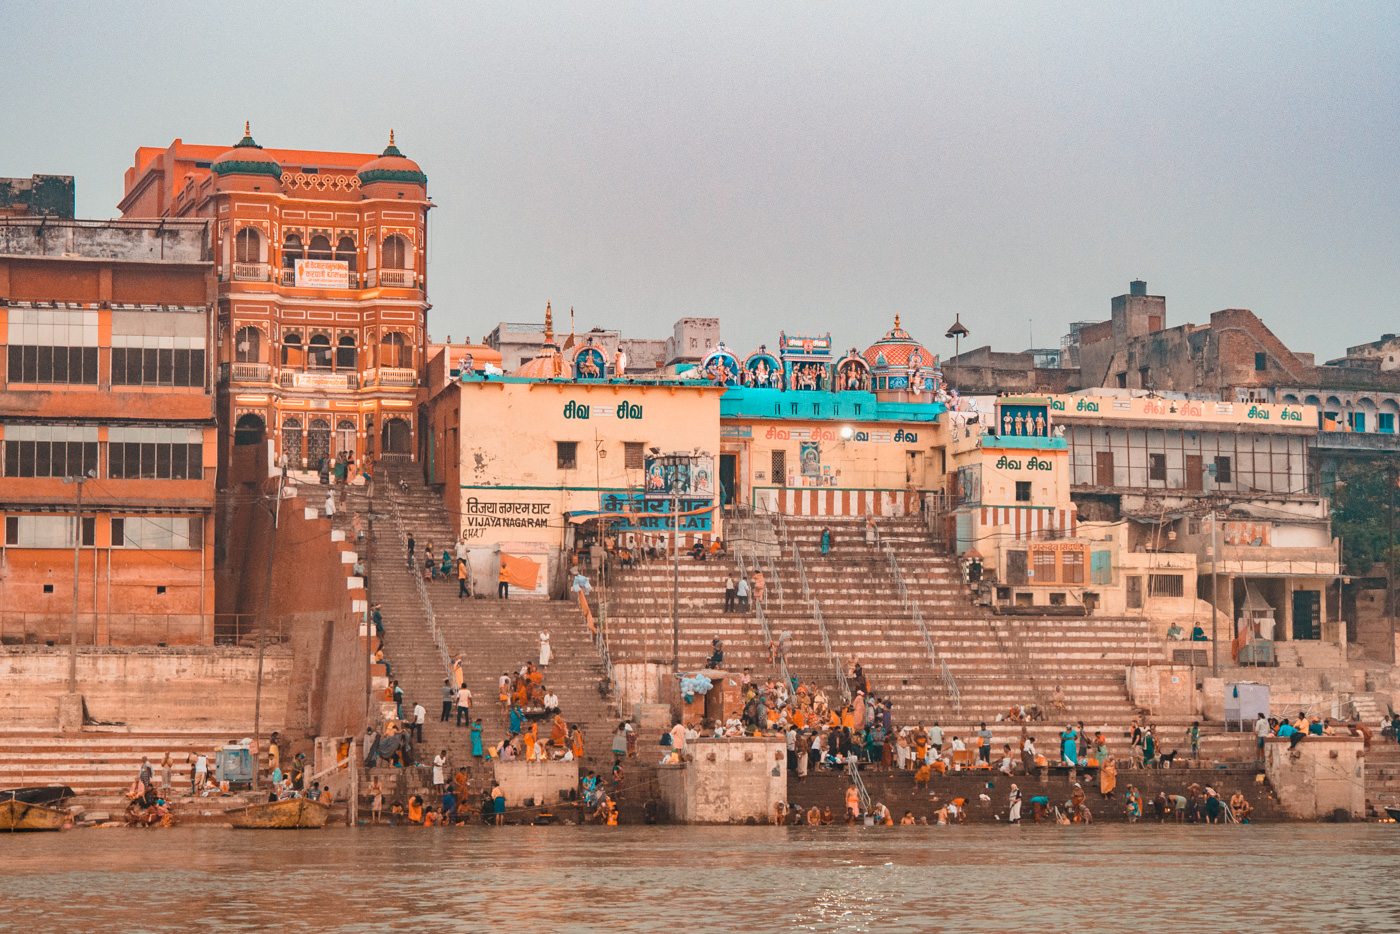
pixel 322 296
pixel 107 376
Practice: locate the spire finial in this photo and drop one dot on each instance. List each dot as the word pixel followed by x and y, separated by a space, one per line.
pixel 548 324
pixel 247 128
pixel 391 137
pixel 896 321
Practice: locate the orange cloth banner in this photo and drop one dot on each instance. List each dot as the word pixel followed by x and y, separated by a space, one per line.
pixel 520 572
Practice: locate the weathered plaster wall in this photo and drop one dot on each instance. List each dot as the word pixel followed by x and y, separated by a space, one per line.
pixel 539 782
pixel 1322 776
pixel 726 781
pixel 147 688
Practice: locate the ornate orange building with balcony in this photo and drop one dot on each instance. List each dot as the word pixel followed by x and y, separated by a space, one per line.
pixel 322 296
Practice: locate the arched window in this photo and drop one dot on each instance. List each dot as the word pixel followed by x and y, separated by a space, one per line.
pixel 247 346
pixel 345 436
pixel 319 248
pixel 291 250
pixel 396 253
pixel 293 354
pixel 291 441
pixel 248 246
pixel 249 429
pixel 320 355
pixel 398 438
pixel 318 442
pixel 345 353
pixel 345 252
pixel 395 351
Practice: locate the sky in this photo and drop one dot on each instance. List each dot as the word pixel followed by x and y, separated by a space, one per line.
pixel 797 166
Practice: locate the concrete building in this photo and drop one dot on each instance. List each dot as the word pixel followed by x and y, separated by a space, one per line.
pixel 322 309
pixel 37 196
pixel 108 376
pixel 519 342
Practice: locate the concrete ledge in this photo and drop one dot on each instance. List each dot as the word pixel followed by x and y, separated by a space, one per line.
pixel 540 782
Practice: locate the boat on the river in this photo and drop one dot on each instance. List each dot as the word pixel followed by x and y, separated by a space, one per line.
pixel 34 808
pixel 292 814
pixel 1393 813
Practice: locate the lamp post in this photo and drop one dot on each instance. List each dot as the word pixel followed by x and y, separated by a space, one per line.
pixel 956 332
pixel 77 545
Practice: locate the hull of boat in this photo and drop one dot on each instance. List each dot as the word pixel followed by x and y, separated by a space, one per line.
pixel 293 814
pixel 18 815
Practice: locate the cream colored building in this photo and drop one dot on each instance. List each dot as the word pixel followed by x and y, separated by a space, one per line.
pixel 528 464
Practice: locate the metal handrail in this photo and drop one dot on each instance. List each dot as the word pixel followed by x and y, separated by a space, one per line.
pixel 600 642
pixel 425 600
pixel 821 626
pixel 950 686
pixel 763 624
pixel 853 769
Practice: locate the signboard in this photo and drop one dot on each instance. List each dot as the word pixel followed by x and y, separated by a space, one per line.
pixel 322 274
pixel 640 512
pixel 1143 408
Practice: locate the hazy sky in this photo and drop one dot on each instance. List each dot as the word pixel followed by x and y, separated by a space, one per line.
pixel 801 166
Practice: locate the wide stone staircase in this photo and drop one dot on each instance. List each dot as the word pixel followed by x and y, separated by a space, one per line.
pixel 491 636
pixel 992 662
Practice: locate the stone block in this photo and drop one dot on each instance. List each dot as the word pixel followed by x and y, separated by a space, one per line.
pixel 540 782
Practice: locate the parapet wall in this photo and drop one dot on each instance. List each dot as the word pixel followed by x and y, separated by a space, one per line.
pixel 146 688
pixel 726 781
pixel 1322 778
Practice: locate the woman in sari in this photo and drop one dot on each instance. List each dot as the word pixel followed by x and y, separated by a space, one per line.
pixel 1108 776
pixel 1069 746
pixel 1134 804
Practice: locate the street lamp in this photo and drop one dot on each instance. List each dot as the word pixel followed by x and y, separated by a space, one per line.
pixel 77 544
pixel 956 332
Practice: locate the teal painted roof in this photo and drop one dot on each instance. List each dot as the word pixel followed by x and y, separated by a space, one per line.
pixel 1025 442
pixel 805 405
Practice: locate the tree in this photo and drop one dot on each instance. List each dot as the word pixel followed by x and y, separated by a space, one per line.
pixel 1364 500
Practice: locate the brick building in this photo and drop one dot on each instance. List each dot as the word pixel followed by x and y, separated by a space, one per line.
pixel 108 377
pixel 320 259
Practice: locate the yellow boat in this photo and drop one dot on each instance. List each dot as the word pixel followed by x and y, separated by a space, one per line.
pixel 292 814
pixel 20 815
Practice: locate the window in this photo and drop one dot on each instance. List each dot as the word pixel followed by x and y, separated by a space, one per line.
pixel 292 354
pixel 395 253
pixel 47 531
pixel 318 248
pixel 52 346
pixel 1134 592
pixel 247 346
pixel 158 532
pixel 1043 566
pixel 394 351
pixel 1157 467
pixel 1385 422
pixel 345 252
pixel 778 463
pixel 155 453
pixel 1165 585
pixel 151 361
pixel 1023 491
pixel 1261 362
pixel 1222 470
pixel 50 451
pixel 345 353
pixel 633 455
pixel 1357 421
pixel 291 251
pixel 1072 567
pixel 320 357
pixel 247 246
pixel 567 454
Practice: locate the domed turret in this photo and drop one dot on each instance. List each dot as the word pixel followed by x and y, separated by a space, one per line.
pixel 246 158
pixel 392 166
pixel 548 364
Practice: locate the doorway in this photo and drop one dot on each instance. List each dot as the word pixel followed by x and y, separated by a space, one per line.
pixel 1193 472
pixel 1306 614
pixel 1103 468
pixel 728 477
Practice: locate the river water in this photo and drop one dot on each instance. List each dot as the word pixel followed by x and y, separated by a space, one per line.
pixel 1108 878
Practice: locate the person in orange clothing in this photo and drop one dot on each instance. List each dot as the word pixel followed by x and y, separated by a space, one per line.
pixel 559 732
pixel 503 583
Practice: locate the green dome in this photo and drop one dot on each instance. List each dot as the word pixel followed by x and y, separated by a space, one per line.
pixel 246 158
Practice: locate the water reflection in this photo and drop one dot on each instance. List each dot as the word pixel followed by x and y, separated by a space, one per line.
pixel 1110 877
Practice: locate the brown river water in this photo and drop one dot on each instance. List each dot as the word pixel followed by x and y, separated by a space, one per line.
pixel 1104 878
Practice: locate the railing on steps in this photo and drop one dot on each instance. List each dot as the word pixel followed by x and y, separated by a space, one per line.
pixel 425 600
pixel 600 642
pixel 821 628
pixel 853 769
pixel 950 687
pixel 767 633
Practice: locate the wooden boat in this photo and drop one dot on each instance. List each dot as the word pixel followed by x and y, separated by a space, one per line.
pixel 21 815
pixel 1393 813
pixel 292 814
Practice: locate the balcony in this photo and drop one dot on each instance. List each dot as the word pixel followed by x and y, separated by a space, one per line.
pixel 393 278
pixel 250 372
pixel 327 381
pixel 249 272
pixel 396 378
pixel 1357 440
